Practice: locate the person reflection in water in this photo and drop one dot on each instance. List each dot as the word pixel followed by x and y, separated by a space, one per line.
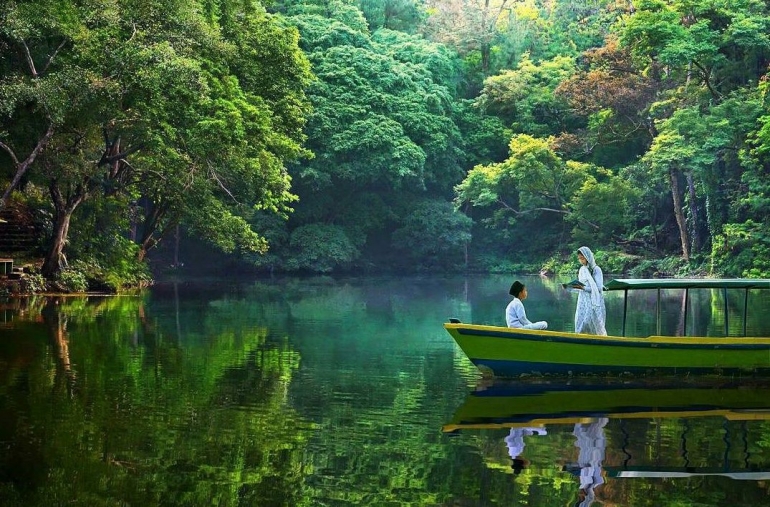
pixel 591 444
pixel 515 443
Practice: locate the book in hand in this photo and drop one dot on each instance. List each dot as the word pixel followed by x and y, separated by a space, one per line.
pixel 574 284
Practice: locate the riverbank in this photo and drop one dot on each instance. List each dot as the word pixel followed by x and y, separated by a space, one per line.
pixel 21 276
pixel 613 264
pixel 26 278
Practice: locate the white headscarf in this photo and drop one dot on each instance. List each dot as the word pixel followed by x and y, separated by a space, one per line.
pixel 596 296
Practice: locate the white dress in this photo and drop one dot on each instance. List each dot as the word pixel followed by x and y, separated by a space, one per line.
pixel 591 313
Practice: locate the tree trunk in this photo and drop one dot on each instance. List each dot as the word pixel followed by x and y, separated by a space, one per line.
pixel 679 214
pixel 54 260
pixel 151 227
pixel 694 213
pixel 63 210
pixel 142 253
pixel 485 57
pixel 145 245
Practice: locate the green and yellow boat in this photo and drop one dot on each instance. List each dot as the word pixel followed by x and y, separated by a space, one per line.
pixel 506 352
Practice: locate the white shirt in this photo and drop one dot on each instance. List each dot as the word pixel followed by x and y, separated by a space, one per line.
pixel 515 316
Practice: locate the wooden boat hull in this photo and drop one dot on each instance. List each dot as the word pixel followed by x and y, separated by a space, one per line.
pixel 506 352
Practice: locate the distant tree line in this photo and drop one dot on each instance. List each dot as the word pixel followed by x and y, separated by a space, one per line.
pixel 377 135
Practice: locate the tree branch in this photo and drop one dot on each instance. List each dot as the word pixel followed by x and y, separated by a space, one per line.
pixel 119 156
pixel 108 157
pixel 10 152
pixel 50 58
pixel 707 81
pixel 221 185
pixel 551 210
pixel 21 167
pixel 30 62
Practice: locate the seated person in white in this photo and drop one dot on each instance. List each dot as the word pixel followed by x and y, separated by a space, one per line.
pixel 515 316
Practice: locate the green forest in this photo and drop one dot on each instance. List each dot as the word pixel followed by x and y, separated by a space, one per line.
pixel 366 136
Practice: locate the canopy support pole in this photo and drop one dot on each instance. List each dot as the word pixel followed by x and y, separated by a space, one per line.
pixel 625 310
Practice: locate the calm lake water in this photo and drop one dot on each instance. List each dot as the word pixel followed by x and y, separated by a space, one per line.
pixel 348 392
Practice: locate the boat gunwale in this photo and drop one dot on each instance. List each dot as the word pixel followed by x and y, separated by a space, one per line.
pixel 611 340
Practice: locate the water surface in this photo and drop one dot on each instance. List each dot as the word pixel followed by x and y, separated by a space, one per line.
pixel 340 392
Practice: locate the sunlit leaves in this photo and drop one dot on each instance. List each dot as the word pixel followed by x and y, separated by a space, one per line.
pixel 603 210
pixel 669 150
pixel 711 40
pixel 534 181
pixel 533 170
pixel 524 97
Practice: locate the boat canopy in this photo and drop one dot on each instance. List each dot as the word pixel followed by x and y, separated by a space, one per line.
pixel 686 283
pixel 626 284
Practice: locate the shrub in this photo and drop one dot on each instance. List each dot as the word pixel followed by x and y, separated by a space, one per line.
pixel 72 280
pixel 33 283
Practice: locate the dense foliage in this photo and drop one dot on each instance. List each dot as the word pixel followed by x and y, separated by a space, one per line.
pixel 389 134
pixel 154 113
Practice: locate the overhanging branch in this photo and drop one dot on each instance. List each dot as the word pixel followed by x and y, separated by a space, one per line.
pixel 550 210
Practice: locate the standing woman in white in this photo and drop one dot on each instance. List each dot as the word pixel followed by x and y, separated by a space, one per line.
pixel 591 312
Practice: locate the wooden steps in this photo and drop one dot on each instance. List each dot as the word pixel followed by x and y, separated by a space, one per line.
pixel 17 230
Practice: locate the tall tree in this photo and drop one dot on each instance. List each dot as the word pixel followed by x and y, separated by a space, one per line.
pixel 524 98
pixel 613 95
pixel 230 148
pixel 178 114
pixel 702 53
pixel 402 15
pixel 382 128
pixel 714 45
pixel 34 92
pixel 468 25
pixel 535 187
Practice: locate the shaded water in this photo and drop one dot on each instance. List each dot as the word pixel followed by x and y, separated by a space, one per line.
pixel 350 392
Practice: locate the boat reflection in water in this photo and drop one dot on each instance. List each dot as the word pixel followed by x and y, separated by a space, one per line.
pixel 648 430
